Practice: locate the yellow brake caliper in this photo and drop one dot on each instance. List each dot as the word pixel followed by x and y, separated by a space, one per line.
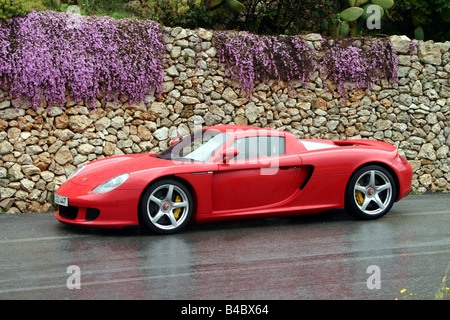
pixel 359 197
pixel 177 211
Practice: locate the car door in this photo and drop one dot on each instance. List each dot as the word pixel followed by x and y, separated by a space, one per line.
pixel 260 175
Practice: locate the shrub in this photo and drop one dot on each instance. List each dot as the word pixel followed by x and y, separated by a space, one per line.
pixel 14 8
pixel 350 67
pixel 250 58
pixel 46 53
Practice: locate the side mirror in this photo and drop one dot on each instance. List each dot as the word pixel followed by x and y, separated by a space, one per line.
pixel 229 154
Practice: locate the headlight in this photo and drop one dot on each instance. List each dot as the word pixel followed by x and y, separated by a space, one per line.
pixel 76 171
pixel 111 184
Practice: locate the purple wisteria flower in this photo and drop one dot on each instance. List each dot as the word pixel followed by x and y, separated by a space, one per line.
pixel 250 58
pixel 351 67
pixel 47 54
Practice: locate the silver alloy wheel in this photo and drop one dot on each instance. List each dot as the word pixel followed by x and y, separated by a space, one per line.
pixel 373 192
pixel 167 207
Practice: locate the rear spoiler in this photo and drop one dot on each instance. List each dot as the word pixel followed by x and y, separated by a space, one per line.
pixel 373 144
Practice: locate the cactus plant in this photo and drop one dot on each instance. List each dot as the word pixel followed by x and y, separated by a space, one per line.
pixel 356 11
pixel 419 34
pixel 351 14
pixel 385 4
pixel 230 5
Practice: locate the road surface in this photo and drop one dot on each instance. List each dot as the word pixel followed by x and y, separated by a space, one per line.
pixel 328 256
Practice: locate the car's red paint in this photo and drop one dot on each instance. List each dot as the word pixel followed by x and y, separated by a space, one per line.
pixel 300 181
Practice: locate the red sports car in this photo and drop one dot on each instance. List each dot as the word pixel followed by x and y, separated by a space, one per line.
pixel 229 172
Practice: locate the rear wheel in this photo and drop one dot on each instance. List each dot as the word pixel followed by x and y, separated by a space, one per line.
pixel 370 193
pixel 166 207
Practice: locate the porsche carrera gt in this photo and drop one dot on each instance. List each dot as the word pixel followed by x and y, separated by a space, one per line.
pixel 232 172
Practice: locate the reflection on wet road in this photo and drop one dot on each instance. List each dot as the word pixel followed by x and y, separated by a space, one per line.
pixel 318 257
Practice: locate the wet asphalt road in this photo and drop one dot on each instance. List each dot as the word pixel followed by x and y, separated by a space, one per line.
pixel 328 256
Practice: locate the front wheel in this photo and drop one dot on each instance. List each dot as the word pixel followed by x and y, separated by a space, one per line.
pixel 166 207
pixel 370 193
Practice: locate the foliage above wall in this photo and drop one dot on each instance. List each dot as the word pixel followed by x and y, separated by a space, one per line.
pixel 46 53
pixel 358 67
pixel 250 58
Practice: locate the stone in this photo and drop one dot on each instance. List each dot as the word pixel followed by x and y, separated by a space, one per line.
pixel 3 125
pixel 62 121
pixel 159 109
pixel 382 124
pixel 64 135
pixel 11 113
pixel 6 147
pixel 102 124
pixel 205 34
pixel 5 104
pixel 188 100
pixel 161 134
pixel 79 123
pixel 109 149
pixel 167 86
pixel 427 152
pixel 416 89
pixel 442 152
pixel 312 37
pixel 251 112
pixel 63 156
pixel 6 193
pixel 229 94
pixel 426 180
pixel 144 133
pixel 172 71
pixel 47 176
pixel 3 173
pixel 27 185
pixel 86 149
pixel 332 125
pixel 401 44
pixel 30 170
pixel 42 162
pixel 429 52
pixel 117 122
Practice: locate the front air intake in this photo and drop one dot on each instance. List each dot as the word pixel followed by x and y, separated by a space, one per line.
pixel 68 212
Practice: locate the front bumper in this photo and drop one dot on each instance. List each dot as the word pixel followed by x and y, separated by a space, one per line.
pixel 115 209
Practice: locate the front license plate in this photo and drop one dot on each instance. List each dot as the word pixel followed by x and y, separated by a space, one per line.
pixel 60 200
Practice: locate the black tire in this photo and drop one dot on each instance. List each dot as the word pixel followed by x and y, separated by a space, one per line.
pixel 166 207
pixel 371 193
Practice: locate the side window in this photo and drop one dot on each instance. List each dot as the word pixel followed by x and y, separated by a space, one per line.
pixel 256 147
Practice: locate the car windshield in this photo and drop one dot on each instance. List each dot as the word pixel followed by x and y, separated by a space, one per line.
pixel 199 146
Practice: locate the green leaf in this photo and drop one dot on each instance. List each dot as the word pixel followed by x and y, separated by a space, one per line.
pixel 210 4
pixel 385 4
pixel 236 5
pixel 351 14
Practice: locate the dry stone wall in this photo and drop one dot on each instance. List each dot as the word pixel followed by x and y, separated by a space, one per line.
pixel 40 148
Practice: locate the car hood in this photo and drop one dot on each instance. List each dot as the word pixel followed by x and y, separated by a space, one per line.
pixel 99 171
